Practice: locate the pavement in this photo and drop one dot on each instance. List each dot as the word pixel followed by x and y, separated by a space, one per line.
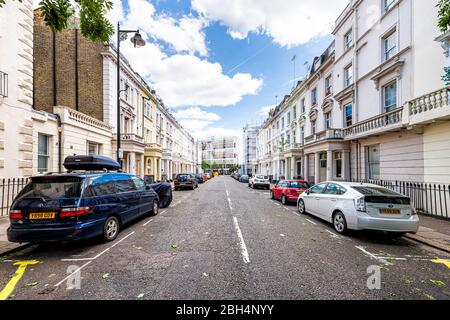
pixel 6 246
pixel 225 241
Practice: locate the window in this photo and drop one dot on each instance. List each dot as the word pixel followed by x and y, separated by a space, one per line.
pixel 373 162
pixel 282 123
pixel 348 76
pixel 303 106
pixel 125 184
pixel 348 116
pixel 288 118
pixel 93 148
pixel 335 189
pixel 338 164
pixel 43 153
pixel 389 45
pixel 314 96
pixel 302 134
pixel 139 183
pixel 387 4
pixel 328 85
pixel 294 112
pixel 390 96
pixel 313 127
pixel 318 189
pixel 348 40
pixel 323 160
pixel 327 120
pixel 148 110
pixel 103 185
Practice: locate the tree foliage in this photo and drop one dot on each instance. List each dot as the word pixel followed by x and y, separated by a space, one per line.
pixel 91 14
pixel 444 15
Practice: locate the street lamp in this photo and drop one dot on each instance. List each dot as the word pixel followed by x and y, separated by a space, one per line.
pixel 137 41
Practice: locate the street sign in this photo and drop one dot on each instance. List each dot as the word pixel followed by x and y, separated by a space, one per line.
pixel 120 153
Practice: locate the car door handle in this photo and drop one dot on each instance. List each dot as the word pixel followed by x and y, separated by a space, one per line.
pixel 317 198
pixel 334 200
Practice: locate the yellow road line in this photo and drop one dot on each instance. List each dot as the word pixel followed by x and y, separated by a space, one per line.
pixel 441 261
pixel 6 292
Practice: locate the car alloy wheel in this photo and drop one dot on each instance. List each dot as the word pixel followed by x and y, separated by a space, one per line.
pixel 340 225
pixel 155 208
pixel 301 207
pixel 111 229
pixel 283 200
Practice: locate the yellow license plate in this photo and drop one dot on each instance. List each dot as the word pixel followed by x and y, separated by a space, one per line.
pixel 42 215
pixel 389 211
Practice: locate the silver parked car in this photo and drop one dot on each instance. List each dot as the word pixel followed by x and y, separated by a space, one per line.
pixel 360 206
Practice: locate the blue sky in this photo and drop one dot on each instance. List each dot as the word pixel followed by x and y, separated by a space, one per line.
pixel 217 63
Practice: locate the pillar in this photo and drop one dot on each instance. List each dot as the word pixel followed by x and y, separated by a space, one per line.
pixel 346 165
pixel 306 167
pixel 329 165
pixel 316 167
pixel 132 164
pixel 142 169
pixel 293 168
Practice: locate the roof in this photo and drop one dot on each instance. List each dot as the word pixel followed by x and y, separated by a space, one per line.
pixel 79 174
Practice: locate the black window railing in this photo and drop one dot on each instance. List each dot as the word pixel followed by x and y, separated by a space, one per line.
pixel 9 189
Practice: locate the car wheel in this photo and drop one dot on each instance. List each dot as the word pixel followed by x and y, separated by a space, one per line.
pixel 111 229
pixel 339 222
pixel 301 207
pixel 283 200
pixel 395 235
pixel 155 208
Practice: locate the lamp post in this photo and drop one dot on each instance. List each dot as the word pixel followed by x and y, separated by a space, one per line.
pixel 138 41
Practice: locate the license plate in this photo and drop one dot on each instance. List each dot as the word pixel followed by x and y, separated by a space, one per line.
pixel 389 211
pixel 42 215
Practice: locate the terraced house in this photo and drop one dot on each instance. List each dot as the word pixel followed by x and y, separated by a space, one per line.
pixel 373 105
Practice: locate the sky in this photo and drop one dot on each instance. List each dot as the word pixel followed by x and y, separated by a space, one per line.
pixel 220 64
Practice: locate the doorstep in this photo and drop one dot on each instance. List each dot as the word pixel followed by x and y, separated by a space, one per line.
pixel 7 247
pixel 433 232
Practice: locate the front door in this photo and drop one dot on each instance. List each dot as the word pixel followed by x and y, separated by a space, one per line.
pixel 323 167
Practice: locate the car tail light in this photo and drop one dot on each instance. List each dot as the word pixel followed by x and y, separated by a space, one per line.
pixel 360 204
pixel 15 214
pixel 73 212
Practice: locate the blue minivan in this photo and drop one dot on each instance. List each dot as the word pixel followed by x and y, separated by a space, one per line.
pixel 81 203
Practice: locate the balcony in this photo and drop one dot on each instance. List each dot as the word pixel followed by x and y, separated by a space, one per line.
pixel 431 107
pixel 130 142
pixel 153 150
pixel 330 134
pixel 389 121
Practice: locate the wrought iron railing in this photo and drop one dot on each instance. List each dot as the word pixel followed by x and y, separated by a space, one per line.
pixel 9 189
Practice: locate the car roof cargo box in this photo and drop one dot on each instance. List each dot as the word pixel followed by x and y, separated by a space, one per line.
pixel 90 163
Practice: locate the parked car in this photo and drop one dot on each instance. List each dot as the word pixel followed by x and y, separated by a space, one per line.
pixel 359 206
pixel 288 190
pixel 237 176
pixel 185 180
pixel 200 178
pixel 259 181
pixel 244 178
pixel 164 192
pixel 80 204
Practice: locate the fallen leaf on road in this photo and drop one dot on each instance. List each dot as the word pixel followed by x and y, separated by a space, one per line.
pixel 105 276
pixel 439 283
pixel 140 296
pixel 29 285
pixel 204 274
pixel 51 275
pixel 429 296
pixel 139 248
pixel 282 235
pixel 174 246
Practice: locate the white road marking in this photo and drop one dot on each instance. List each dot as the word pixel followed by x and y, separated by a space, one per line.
pixel 103 252
pixel 229 200
pixel 312 222
pixel 334 235
pixel 241 241
pixel 373 256
pixel 147 222
pixel 163 212
pixel 70 275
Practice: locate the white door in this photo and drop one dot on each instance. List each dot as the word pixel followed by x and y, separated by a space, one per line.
pixel 328 200
pixel 313 198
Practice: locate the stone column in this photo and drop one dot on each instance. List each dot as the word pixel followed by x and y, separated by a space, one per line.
pixel 329 165
pixel 132 163
pixel 305 167
pixel 293 167
pixel 316 167
pixel 142 173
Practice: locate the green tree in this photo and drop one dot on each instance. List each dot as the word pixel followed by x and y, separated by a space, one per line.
pixel 444 15
pixel 91 14
pixel 205 165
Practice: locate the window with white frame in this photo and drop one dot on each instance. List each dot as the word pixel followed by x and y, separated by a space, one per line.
pixel 348 75
pixel 389 45
pixel 93 148
pixel 148 110
pixel 288 118
pixel 313 127
pixel 328 85
pixel 348 115
pixel 302 134
pixel 373 162
pixel 388 4
pixel 303 105
pixel 327 117
pixel 43 152
pixel 314 96
pixel 390 96
pixel 294 112
pixel 348 39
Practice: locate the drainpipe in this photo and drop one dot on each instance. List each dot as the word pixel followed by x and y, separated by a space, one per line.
pixel 60 129
pixel 55 102
pixel 77 99
pixel 355 63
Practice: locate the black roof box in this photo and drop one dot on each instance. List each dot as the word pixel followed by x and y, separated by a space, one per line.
pixel 90 163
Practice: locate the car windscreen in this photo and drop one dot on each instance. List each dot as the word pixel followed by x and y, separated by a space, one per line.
pixel 262 177
pixel 375 191
pixel 244 177
pixel 53 188
pixel 298 184
pixel 183 177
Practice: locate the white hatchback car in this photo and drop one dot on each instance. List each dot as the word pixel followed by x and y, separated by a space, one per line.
pixel 259 181
pixel 360 206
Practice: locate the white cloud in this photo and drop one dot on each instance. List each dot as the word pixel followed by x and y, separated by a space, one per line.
pixel 288 22
pixel 216 132
pixel 196 114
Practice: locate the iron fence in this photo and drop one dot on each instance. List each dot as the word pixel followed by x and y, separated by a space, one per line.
pixel 427 198
pixel 9 189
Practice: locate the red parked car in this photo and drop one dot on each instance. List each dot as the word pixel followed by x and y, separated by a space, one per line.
pixel 289 190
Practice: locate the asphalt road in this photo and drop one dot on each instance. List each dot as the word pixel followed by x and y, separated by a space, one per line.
pixel 226 241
